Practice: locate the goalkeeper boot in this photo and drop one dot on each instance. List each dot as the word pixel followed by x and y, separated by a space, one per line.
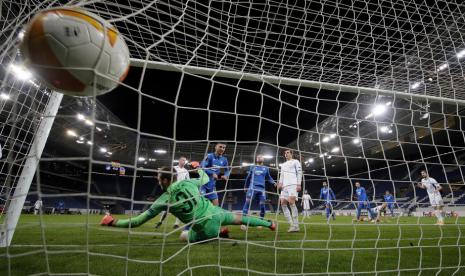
pixel 224 233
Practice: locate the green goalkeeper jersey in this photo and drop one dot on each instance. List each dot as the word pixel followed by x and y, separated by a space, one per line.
pixel 182 199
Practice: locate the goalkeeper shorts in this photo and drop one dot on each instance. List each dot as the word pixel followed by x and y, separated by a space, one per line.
pixel 209 228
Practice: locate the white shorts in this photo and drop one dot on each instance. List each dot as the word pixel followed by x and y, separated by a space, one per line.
pixel 436 200
pixel 288 191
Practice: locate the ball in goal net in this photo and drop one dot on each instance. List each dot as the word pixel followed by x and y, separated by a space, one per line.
pixel 367 92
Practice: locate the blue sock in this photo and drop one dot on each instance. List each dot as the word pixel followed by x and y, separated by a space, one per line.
pixel 262 210
pixel 245 209
pixel 358 212
pixel 328 212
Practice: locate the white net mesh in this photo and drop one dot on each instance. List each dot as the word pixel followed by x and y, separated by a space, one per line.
pixel 368 91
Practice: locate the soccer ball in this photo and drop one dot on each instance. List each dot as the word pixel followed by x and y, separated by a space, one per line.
pixel 75 52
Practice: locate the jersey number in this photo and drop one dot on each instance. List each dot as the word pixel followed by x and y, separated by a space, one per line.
pixel 188 198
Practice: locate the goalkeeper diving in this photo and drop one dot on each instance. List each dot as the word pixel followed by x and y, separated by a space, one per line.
pixel 184 201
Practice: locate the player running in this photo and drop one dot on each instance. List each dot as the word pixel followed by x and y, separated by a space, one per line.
pixel 306 201
pixel 433 189
pixel 289 182
pixel 389 199
pixel 256 178
pixel 362 201
pixel 181 174
pixel 327 195
pixel 213 164
pixel 183 200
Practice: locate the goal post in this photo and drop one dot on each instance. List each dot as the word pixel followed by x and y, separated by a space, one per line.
pixel 14 203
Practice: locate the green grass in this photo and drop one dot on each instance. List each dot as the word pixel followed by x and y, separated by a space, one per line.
pixel 69 244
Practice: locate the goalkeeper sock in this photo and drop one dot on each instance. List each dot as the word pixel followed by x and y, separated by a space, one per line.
pixel 245 209
pixel 328 212
pixel 287 213
pixel 252 221
pixel 262 210
pixel 295 214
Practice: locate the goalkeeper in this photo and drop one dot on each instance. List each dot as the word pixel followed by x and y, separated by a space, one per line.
pixel 183 200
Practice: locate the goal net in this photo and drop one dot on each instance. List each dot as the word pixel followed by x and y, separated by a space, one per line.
pixel 361 91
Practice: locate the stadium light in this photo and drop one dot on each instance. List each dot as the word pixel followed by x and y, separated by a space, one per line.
pixel 335 149
pixel 21 34
pixel 378 109
pixel 268 156
pixel 160 151
pixel 443 66
pixel 329 156
pixel 384 129
pixel 461 54
pixel 71 133
pixel 103 150
pixel 20 72
pixel 388 103
pixel 332 136
pixel 4 96
pixel 245 164
pixel 415 85
pixel 141 159
pixel 356 141
pixel 90 143
pixel 310 160
pixel 81 138
pixel 325 139
pixel 317 144
pixel 89 122
pixel 109 152
pixel 425 116
pixel 79 141
pixel 98 129
pixel 80 117
pixel 322 155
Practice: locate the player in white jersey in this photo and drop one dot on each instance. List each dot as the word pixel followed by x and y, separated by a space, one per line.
pixel 433 189
pixel 377 211
pixel 306 201
pixel 181 174
pixel 37 206
pixel 290 180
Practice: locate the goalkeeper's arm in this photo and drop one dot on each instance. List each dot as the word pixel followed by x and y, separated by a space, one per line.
pixel 159 205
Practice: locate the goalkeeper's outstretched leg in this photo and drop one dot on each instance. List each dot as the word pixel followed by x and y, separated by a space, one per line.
pixel 212 228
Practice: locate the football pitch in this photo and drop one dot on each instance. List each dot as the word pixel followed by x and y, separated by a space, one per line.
pixel 76 244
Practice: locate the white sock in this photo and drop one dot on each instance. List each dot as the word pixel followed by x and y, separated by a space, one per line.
pixel 295 214
pixel 439 215
pixel 287 213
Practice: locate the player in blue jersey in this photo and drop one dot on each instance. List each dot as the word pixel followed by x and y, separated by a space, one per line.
pixel 389 199
pixel 212 165
pixel 362 201
pixel 255 181
pixel 327 195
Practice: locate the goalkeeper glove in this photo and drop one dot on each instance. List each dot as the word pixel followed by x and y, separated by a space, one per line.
pixel 107 220
pixel 195 164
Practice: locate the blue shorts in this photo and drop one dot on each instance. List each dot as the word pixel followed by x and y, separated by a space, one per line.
pixel 390 205
pixel 251 194
pixel 363 205
pixel 208 191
